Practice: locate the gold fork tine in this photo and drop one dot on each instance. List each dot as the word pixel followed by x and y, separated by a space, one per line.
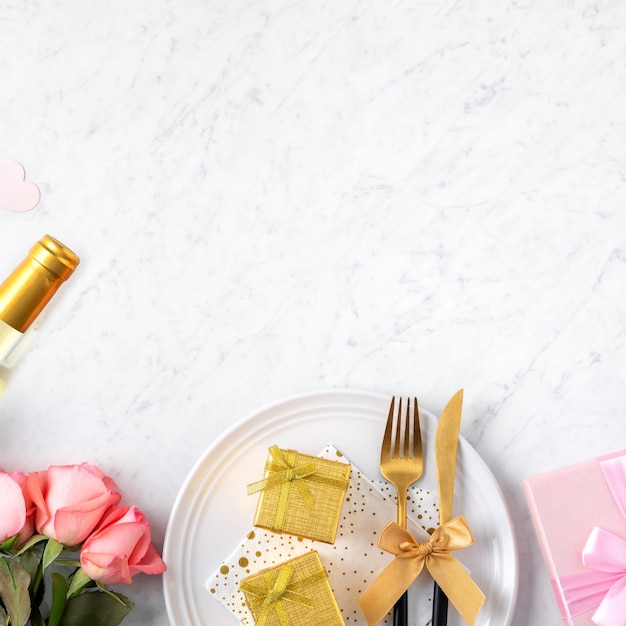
pixel 401 460
pixel 398 440
pixel 385 450
pixel 408 444
pixel 417 435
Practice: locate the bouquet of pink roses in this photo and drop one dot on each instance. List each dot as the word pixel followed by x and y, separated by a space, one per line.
pixel 64 537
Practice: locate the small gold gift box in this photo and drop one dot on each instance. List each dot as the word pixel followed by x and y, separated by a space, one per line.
pixel 300 495
pixel 294 593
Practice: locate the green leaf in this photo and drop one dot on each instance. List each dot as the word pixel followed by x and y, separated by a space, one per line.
pixel 9 544
pixel 14 582
pixel 79 581
pixel 35 539
pixel 118 597
pixel 35 618
pixel 52 550
pixel 96 609
pixel 30 562
pixel 59 598
pixel 4 618
pixel 68 562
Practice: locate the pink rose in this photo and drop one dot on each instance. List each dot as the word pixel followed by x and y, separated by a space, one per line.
pixel 70 501
pixel 29 524
pixel 120 548
pixel 13 507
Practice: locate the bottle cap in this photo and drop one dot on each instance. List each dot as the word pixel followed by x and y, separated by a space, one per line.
pixel 55 257
pixel 25 293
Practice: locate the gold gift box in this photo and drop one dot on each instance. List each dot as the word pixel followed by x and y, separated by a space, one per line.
pixel 294 593
pixel 301 495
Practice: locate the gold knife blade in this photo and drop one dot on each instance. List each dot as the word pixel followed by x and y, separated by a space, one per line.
pixel 446 441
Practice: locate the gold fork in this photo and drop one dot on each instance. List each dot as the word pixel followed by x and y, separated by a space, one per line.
pixel 402 463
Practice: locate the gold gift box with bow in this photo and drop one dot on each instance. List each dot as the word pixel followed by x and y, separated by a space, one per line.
pixel 294 593
pixel 300 495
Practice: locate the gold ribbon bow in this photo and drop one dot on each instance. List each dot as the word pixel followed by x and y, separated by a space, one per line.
pixel 274 594
pixel 284 473
pixel 411 557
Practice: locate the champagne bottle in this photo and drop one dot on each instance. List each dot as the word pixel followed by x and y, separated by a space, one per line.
pixel 28 289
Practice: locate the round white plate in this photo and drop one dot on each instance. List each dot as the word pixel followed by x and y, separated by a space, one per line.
pixel 212 512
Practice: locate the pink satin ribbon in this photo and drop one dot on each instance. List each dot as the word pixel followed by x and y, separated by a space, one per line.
pixel 604 585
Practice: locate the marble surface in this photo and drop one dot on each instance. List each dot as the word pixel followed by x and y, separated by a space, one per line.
pixel 273 197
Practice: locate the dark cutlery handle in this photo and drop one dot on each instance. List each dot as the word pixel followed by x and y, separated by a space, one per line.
pixel 440 607
pixel 400 611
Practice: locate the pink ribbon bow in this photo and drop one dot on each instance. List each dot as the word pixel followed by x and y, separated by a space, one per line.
pixel 604 585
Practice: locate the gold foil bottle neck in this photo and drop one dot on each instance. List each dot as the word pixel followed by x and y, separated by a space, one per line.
pixel 55 257
pixel 28 289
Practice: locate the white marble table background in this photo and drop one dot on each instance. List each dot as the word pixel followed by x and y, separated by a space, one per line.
pixel 273 197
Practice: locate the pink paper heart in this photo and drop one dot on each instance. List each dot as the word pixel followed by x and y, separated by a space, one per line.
pixel 16 193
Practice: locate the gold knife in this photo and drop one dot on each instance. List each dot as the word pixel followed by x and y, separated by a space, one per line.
pixel 446 443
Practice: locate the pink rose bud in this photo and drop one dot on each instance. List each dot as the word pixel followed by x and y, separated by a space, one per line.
pixel 120 548
pixel 12 507
pixel 70 501
pixel 29 525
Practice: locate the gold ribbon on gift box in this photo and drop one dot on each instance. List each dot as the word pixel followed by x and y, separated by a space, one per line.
pixel 411 557
pixel 273 594
pixel 284 472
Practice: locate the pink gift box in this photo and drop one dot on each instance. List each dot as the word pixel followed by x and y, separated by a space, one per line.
pixel 573 510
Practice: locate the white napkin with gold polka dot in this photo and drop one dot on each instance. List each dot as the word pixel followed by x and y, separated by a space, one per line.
pixel 352 562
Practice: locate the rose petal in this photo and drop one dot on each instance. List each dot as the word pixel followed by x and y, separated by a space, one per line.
pixel 72 525
pixel 73 484
pixel 107 569
pixel 151 563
